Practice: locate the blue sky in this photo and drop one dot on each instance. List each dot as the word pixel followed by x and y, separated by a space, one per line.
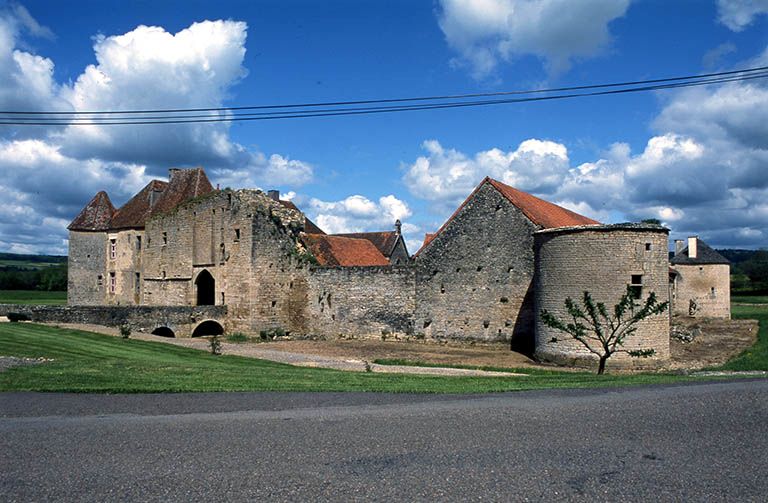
pixel 696 159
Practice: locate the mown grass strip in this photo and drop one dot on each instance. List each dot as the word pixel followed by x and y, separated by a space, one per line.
pixel 33 297
pixel 87 362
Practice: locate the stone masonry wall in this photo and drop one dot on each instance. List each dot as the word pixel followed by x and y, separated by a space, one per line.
pixel 602 262
pixel 474 278
pixel 86 263
pixel 366 302
pixel 707 285
pixel 181 319
pixel 125 264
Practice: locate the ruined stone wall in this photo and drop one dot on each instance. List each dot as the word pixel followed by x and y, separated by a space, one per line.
pixel 247 242
pixel 182 320
pixel 474 278
pixel 362 302
pixel 603 261
pixel 86 282
pixel 702 290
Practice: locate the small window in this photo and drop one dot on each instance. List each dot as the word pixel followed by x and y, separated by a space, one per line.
pixel 138 243
pixel 100 280
pixel 222 298
pixel 636 286
pixel 112 282
pixel 112 248
pixel 223 252
pixel 163 274
pixel 237 235
pixel 165 238
pixel 137 283
pixel 648 247
pixel 713 292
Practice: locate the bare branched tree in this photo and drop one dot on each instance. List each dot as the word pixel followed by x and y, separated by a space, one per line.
pixel 604 333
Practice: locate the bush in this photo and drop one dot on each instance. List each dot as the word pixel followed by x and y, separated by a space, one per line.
pixel 237 337
pixel 215 345
pixel 125 330
pixel 271 334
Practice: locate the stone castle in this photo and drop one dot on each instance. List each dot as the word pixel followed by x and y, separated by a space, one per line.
pixel 500 258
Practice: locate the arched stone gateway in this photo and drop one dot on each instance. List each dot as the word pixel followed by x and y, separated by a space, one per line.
pixel 163 332
pixel 208 327
pixel 205 286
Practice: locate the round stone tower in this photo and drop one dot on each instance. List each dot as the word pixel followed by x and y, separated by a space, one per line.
pixel 603 260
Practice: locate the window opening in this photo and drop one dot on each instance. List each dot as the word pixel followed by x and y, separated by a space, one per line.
pixel 138 243
pixel 112 282
pixel 112 248
pixel 636 286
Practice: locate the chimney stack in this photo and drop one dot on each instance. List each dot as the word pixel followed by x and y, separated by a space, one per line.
pixel 692 242
pixel 679 246
pixel 398 226
pixel 274 195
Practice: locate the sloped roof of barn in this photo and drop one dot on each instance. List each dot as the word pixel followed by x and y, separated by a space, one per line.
pixel 541 213
pixel 137 209
pixel 384 241
pixel 343 251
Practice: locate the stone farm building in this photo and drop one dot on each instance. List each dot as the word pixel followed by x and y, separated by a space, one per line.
pixel 500 258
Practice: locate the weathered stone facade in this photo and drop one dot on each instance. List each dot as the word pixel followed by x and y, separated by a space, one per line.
pixel 474 277
pixel 700 281
pixel 484 275
pixel 603 260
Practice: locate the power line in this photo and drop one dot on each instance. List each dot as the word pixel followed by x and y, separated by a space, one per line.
pixel 341 108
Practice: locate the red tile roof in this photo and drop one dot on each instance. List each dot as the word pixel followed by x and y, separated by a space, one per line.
pixel 184 184
pixel 309 225
pixel 384 241
pixel 343 251
pixel 137 210
pixel 95 216
pixel 542 213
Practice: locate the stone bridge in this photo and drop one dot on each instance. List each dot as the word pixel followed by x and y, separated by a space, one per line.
pixel 168 321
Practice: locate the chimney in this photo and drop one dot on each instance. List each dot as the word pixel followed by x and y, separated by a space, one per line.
pixel 679 246
pixel 398 226
pixel 692 242
pixel 274 195
pixel 172 172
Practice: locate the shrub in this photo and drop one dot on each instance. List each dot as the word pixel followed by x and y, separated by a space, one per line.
pixel 215 345
pixel 125 330
pixel 237 337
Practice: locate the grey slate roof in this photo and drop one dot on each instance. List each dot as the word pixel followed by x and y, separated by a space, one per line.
pixel 704 255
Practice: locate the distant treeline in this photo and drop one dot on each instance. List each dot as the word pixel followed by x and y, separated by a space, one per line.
pixel 749 270
pixel 33 272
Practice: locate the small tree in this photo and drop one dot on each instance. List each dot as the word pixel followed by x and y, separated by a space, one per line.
pixel 603 333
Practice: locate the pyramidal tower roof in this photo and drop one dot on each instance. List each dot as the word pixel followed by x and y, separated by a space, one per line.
pixel 95 216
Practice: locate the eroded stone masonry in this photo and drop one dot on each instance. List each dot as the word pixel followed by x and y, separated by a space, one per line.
pixel 501 257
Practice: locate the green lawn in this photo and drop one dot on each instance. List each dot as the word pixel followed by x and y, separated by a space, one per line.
pixel 87 362
pixel 32 297
pixel 749 299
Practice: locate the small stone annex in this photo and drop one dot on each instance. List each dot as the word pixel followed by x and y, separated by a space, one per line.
pixel 499 259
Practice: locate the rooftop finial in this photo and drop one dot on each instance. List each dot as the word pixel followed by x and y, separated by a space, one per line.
pixel 398 226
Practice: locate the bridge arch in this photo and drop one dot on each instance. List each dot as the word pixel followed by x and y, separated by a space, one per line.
pixel 163 332
pixel 208 327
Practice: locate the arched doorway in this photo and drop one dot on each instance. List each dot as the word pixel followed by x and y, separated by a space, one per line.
pixel 163 332
pixel 206 289
pixel 208 327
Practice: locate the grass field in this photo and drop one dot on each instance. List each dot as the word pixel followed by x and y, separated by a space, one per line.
pixel 749 299
pixel 32 297
pixel 87 362
pixel 756 357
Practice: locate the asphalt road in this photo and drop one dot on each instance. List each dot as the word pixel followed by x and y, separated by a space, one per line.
pixel 706 442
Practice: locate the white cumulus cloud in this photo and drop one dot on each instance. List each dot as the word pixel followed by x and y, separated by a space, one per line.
pixel 483 32
pixel 738 14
